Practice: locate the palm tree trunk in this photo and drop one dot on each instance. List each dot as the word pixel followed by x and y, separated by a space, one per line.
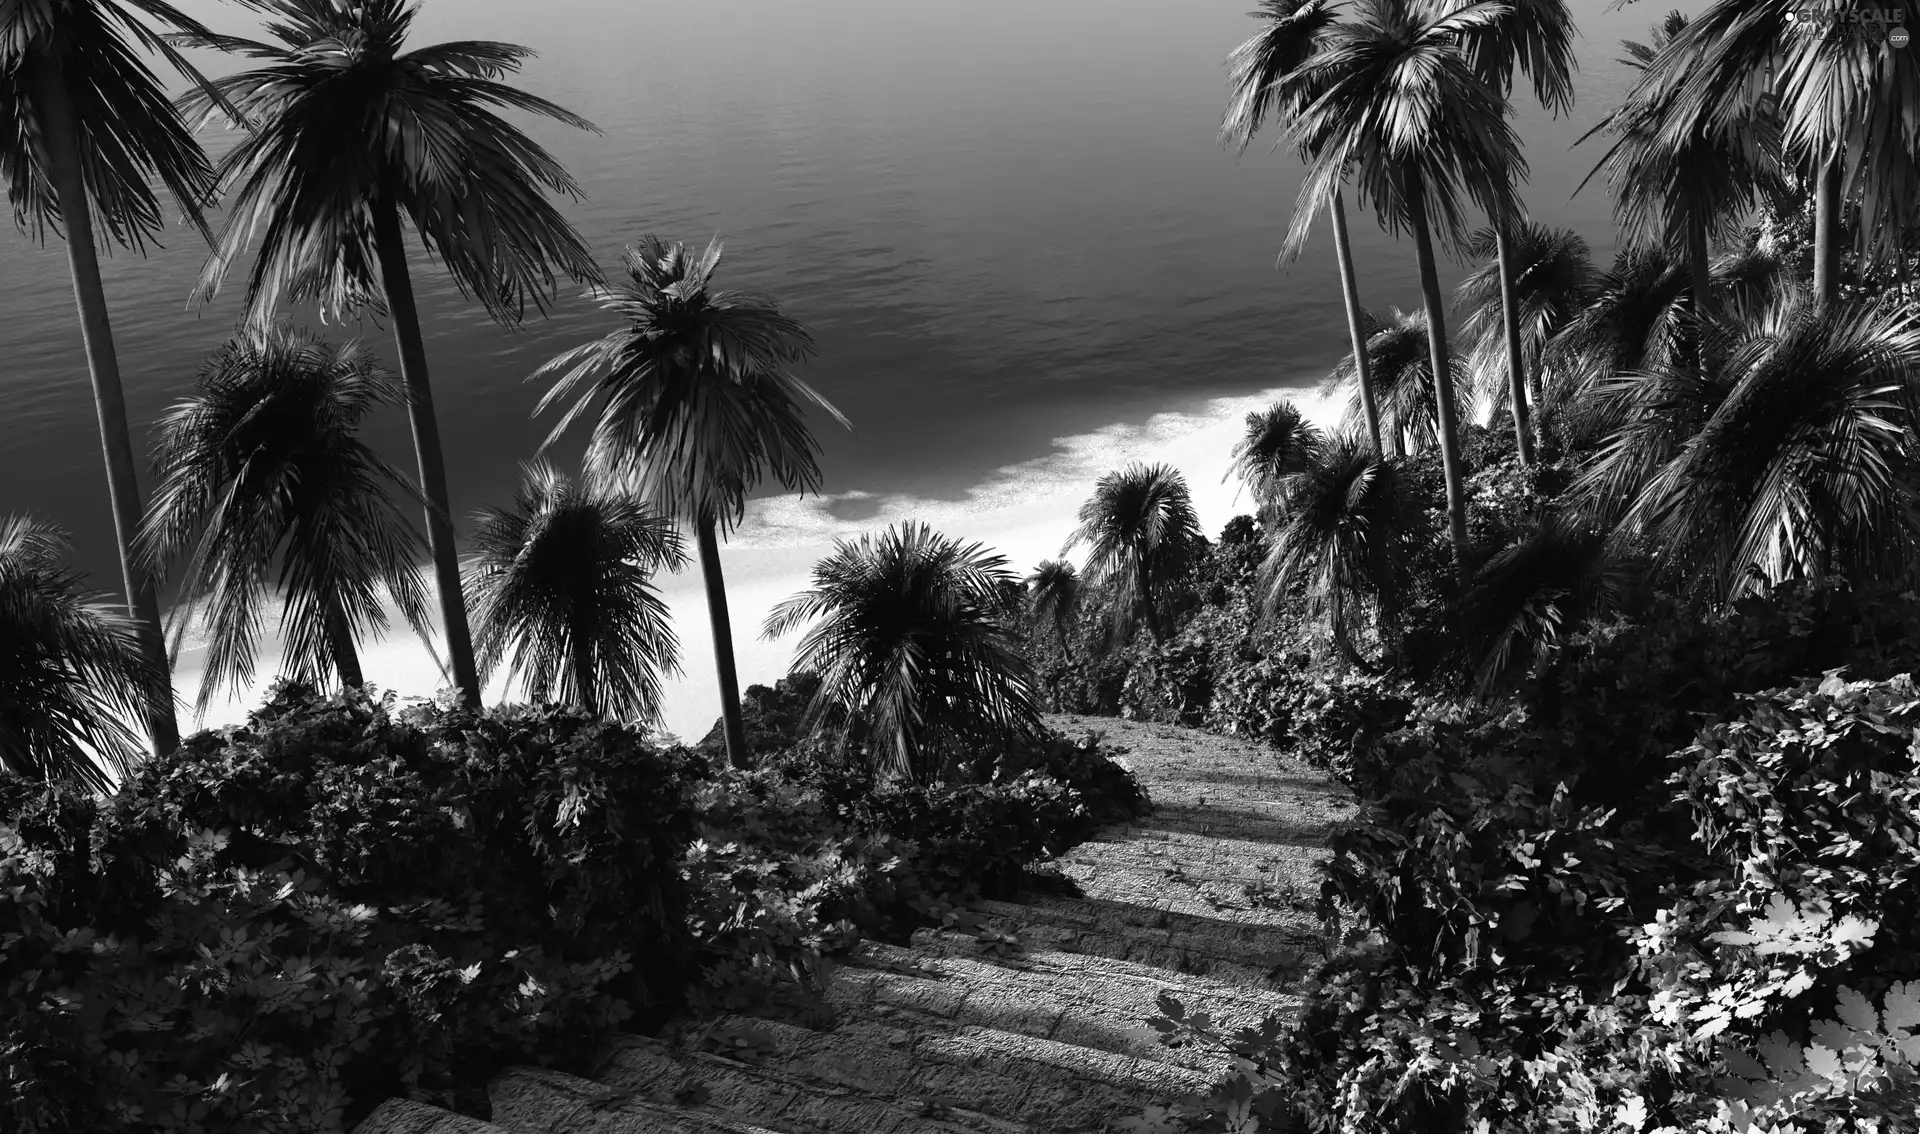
pixel 346 659
pixel 1826 234
pixel 1066 647
pixel 1146 594
pixel 62 141
pixel 586 683
pixel 1356 333
pixel 392 250
pixel 1516 366
pixel 1442 371
pixel 732 722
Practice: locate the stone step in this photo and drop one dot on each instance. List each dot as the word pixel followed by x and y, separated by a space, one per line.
pixel 534 1100
pixel 1055 1087
pixel 764 1092
pixel 1080 999
pixel 1250 954
pixel 404 1116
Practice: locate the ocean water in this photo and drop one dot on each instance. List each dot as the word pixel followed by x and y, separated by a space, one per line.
pixel 1024 255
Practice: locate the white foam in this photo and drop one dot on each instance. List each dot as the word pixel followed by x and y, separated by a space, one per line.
pixel 1024 511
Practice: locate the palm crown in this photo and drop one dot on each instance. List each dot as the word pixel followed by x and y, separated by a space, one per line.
pixel 1140 529
pixel 564 599
pixel 346 125
pixel 264 486
pixel 696 402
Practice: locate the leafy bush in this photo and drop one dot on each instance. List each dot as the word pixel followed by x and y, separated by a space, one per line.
pixel 1320 716
pixel 287 921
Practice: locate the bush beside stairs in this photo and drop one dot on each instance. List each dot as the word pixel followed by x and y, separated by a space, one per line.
pixel 1027 1017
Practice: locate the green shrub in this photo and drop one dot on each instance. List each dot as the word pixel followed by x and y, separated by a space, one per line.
pixel 1319 716
pixel 285 922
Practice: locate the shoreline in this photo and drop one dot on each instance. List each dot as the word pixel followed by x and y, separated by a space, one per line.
pixel 1024 511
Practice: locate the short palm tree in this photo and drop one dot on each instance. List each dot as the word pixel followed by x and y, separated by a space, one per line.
pixel 1791 456
pixel 1346 539
pixel 696 406
pixel 1140 530
pixel 73 671
pixel 1053 597
pixel 1548 279
pixel 1256 90
pixel 1529 595
pixel 564 600
pixel 1276 444
pixel 263 487
pixel 1686 193
pixel 1401 358
pixel 351 139
pixel 910 645
pixel 1402 110
pixel 1848 106
pixel 89 132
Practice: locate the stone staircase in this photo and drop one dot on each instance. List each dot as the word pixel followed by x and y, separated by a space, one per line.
pixel 968 1032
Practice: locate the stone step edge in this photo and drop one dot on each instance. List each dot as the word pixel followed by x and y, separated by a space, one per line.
pixel 693 1061
pixel 405 1116
pixel 587 1095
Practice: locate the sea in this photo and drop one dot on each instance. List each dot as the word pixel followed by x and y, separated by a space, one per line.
pixel 1009 224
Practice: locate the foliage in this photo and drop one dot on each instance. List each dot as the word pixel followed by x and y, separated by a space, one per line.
pixel 338 901
pixel 1317 715
pixel 72 671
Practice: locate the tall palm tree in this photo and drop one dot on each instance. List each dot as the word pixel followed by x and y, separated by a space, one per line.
pixel 1277 443
pixel 352 138
pixel 1685 193
pixel 1532 38
pixel 696 407
pixel 563 595
pixel 1256 90
pixel 910 644
pixel 1791 456
pixel 1400 355
pixel 89 133
pixel 1347 537
pixel 73 669
pixel 1549 277
pixel 1053 596
pixel 1849 108
pixel 1140 529
pixel 264 487
pixel 1403 109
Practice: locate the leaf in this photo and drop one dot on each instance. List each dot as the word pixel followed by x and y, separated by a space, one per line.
pixel 1902 1006
pixel 1857 1011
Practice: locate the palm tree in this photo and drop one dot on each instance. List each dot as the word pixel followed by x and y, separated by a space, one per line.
pixel 1550 279
pixel 264 486
pixel 89 132
pixel 1404 110
pixel 1401 358
pixel 1140 529
pixel 1690 193
pixel 910 645
pixel 1526 597
pixel 563 596
pixel 1277 444
pixel 351 137
pixel 1849 109
pixel 1053 595
pixel 1790 456
pixel 1533 38
pixel 1347 537
pixel 1255 90
pixel 696 407
pixel 73 669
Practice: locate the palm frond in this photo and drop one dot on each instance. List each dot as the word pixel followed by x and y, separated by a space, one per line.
pixel 1554 280
pixel 1277 443
pixel 1139 528
pixel 1400 363
pixel 1257 68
